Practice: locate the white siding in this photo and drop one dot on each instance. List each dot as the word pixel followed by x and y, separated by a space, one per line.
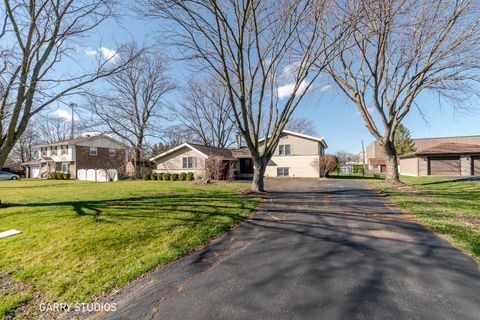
pixel 299 166
pixel 173 162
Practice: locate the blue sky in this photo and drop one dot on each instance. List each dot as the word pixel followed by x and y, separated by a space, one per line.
pixel 335 117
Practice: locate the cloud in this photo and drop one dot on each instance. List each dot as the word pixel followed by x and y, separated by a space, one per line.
pixel 287 90
pixel 90 52
pixel 64 114
pixel 326 88
pixel 107 53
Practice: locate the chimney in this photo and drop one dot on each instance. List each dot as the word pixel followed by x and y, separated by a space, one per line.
pixel 238 139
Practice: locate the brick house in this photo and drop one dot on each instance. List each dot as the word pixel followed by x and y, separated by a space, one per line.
pixel 98 158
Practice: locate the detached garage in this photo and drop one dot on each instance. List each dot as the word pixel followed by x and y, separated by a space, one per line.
pixel 445 159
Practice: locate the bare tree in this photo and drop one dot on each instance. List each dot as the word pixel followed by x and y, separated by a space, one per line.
pixel 207 113
pixel 324 165
pixel 132 103
pixel 267 53
pixel 24 148
pixel 36 38
pixel 345 157
pixel 301 125
pixel 400 49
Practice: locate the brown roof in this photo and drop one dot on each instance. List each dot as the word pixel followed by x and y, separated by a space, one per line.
pixel 377 161
pixel 447 148
pixel 214 151
pixel 241 153
pixel 78 140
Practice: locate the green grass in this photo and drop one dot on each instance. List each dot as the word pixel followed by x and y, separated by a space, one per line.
pixel 10 302
pixel 80 239
pixel 450 208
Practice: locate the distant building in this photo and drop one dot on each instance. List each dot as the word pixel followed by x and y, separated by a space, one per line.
pixel 442 156
pixel 96 158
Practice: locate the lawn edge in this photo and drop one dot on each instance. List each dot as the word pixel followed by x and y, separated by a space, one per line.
pixel 412 217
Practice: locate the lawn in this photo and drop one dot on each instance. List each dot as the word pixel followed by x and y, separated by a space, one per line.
pixel 80 239
pixel 450 208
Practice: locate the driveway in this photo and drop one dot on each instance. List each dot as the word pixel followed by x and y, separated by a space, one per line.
pixel 316 250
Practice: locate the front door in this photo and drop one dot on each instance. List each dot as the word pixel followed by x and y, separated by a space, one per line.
pixel 65 167
pixel 246 166
pixel 476 166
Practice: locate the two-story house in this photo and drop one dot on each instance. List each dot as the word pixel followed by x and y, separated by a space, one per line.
pixel 85 158
pixel 294 157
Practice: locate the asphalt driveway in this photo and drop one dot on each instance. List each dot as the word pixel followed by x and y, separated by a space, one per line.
pixel 316 250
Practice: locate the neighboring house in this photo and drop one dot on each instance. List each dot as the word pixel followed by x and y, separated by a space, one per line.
pixel 447 151
pixel 97 158
pixel 444 159
pixel 294 157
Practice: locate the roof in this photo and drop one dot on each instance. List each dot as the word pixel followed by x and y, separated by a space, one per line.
pixel 301 135
pixel 447 148
pixel 204 151
pixel 79 140
pixel 241 153
pixel 377 161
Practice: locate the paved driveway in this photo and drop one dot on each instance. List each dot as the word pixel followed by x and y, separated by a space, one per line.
pixel 317 250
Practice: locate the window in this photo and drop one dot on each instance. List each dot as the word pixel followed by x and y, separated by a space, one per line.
pixel 282 172
pixel 93 151
pixel 111 152
pixel 54 151
pixel 188 162
pixel 64 150
pixel 43 151
pixel 65 167
pixel 284 150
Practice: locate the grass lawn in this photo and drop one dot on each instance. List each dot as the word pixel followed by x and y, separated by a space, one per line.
pixel 450 208
pixel 83 238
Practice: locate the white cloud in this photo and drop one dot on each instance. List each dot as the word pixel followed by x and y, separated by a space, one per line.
pixel 90 52
pixel 109 54
pixel 64 114
pixel 287 90
pixel 326 88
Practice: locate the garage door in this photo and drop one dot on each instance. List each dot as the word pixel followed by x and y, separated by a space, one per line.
pixel 445 166
pixel 34 171
pixel 476 166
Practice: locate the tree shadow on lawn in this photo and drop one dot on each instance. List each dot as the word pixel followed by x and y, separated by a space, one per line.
pixel 154 207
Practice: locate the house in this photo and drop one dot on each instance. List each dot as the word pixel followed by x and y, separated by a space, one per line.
pixel 444 159
pixel 293 157
pixel 435 156
pixel 97 158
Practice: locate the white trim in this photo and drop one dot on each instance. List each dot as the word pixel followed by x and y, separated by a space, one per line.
pixel 322 140
pixel 178 148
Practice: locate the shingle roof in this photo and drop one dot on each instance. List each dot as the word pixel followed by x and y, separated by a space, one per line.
pixel 77 140
pixel 214 151
pixel 447 148
pixel 241 153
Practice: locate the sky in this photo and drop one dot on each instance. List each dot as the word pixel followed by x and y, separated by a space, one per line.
pixel 335 118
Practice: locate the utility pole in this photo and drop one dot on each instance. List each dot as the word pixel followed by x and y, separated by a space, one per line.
pixel 72 131
pixel 363 156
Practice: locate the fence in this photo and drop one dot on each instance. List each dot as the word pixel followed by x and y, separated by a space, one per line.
pixel 98 175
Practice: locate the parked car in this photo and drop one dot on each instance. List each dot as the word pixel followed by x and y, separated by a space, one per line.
pixel 8 176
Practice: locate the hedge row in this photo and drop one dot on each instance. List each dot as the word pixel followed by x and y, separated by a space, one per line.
pixel 183 176
pixel 57 175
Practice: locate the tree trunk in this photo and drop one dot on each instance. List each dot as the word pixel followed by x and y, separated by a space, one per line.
pixel 392 161
pixel 259 168
pixel 4 152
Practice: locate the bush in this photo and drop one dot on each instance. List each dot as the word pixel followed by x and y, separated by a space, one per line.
pixel 147 176
pixel 174 177
pixel 182 176
pixel 190 176
pixel 153 176
pixel 325 165
pixel 67 176
pixel 166 176
pixel 56 175
pixel 160 176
